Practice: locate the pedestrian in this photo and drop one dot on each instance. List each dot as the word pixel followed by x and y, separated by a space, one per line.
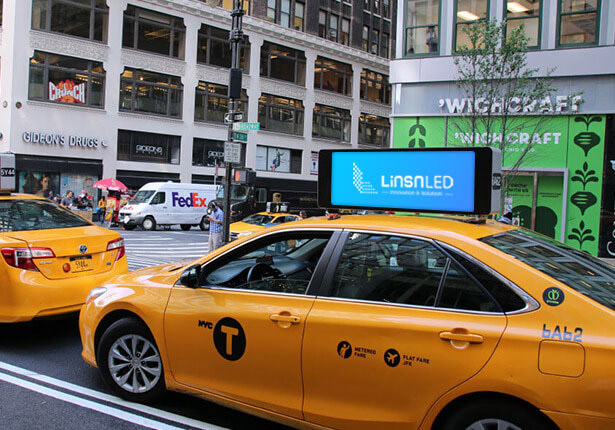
pixel 303 214
pixel 216 220
pixel 67 201
pixel 102 207
pixel 506 218
pixel 50 196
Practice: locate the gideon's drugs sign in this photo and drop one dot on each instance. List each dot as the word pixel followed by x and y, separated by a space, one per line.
pixel 442 180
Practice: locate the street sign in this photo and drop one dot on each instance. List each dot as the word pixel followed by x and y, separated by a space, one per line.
pixel 237 135
pixel 232 152
pixel 230 118
pixel 247 126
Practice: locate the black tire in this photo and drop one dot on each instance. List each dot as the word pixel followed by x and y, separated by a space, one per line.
pixel 488 411
pixel 148 224
pixel 185 227
pixel 204 224
pixel 127 329
pixel 128 227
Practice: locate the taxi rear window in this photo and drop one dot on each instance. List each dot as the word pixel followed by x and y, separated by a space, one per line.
pixel 24 215
pixel 577 269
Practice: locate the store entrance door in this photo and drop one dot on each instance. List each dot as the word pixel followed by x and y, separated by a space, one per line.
pixel 536 200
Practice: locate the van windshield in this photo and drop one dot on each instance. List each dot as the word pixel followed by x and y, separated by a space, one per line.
pixel 238 192
pixel 577 269
pixel 142 196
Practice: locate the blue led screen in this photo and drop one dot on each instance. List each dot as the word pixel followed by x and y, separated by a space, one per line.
pixel 413 180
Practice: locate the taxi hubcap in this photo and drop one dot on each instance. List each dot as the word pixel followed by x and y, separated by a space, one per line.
pixel 134 363
pixel 493 424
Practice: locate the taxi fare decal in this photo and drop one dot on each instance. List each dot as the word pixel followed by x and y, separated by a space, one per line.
pixel 392 357
pixel 229 337
pixel 574 336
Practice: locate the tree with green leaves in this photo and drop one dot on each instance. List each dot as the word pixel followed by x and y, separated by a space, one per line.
pixel 506 99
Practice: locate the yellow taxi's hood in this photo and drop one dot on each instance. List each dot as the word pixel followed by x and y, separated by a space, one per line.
pixel 156 270
pixel 68 241
pixel 244 227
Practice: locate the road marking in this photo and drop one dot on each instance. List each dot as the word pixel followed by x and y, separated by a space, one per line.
pixel 99 407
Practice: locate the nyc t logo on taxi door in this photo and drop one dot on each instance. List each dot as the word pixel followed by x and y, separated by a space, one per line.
pixel 229 339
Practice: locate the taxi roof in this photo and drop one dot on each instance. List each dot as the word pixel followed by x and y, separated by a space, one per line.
pixel 20 196
pixel 465 226
pixel 275 213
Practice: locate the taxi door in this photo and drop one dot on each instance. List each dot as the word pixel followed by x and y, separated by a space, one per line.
pixel 396 325
pixel 240 334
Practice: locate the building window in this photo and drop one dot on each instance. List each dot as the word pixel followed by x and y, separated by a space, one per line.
pixel 287 13
pixel 322 24
pixel 214 48
pixel 149 92
pixel 0 13
pixel 228 4
pixel 374 130
pixel 468 12
pixel 333 22
pixel 211 102
pixel 209 153
pixel 375 42
pixel 384 47
pixel 578 22
pixel 386 8
pixel 60 79
pixel 81 18
pixel 148 147
pixel 331 123
pixel 280 114
pixel 332 75
pixel 155 32
pixel 526 13
pixel 422 26
pixel 365 37
pixel 345 36
pixel 280 62
pixel 375 87
pixel 274 159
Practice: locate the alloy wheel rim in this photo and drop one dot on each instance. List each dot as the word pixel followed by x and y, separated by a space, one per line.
pixel 493 424
pixel 147 224
pixel 134 363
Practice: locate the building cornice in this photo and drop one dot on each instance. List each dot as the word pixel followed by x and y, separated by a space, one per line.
pixel 68 45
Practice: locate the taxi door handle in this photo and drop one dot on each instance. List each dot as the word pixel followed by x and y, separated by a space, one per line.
pixel 461 337
pixel 292 319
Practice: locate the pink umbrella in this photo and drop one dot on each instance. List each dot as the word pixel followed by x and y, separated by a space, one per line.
pixel 110 184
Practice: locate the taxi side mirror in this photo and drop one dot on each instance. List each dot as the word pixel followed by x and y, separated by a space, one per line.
pixel 191 276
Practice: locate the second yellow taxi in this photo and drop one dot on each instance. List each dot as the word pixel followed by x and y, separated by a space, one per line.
pixel 259 221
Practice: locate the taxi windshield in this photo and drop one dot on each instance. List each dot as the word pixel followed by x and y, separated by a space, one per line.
pixel 142 196
pixel 577 269
pixel 258 219
pixel 23 215
pixel 238 192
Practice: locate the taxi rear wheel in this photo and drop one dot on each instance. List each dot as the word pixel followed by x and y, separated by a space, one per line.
pixel 130 361
pixel 495 415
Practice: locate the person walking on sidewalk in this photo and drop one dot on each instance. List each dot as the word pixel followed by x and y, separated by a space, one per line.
pixel 216 220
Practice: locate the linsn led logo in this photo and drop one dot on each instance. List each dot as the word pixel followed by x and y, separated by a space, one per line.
pixel 363 187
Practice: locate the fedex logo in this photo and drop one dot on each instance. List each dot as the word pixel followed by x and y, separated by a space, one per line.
pixel 193 201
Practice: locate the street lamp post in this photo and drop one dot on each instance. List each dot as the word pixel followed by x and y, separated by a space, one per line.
pixel 234 94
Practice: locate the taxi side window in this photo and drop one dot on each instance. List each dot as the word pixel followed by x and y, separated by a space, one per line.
pixel 389 269
pixel 407 271
pixel 282 263
pixel 158 199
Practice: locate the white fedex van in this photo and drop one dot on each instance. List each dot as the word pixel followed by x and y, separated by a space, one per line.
pixel 168 203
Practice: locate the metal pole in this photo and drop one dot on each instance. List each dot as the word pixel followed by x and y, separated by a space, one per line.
pixel 235 37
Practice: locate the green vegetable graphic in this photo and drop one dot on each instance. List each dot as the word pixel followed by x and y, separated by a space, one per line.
pixel 583 200
pixel 581 235
pixel 585 176
pixel 586 140
pixel 417 140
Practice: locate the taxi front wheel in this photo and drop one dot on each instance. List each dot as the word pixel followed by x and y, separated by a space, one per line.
pixel 495 414
pixel 130 362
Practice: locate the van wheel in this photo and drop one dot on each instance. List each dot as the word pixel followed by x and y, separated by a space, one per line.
pixel 148 224
pixel 130 361
pixel 185 227
pixel 204 225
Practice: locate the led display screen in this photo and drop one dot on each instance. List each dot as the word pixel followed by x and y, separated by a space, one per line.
pixel 427 180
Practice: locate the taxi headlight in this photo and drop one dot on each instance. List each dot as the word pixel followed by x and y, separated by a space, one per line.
pixel 95 293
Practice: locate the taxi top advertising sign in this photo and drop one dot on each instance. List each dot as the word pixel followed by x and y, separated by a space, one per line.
pixel 441 180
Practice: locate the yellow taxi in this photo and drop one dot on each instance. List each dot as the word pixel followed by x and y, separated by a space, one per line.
pixel 371 322
pixel 51 258
pixel 259 221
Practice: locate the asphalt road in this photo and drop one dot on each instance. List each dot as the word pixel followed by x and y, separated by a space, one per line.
pixel 44 383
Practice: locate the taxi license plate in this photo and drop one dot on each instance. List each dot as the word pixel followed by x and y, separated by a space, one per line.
pixel 82 264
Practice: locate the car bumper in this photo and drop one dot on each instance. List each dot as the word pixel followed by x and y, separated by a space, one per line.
pixel 580 422
pixel 132 219
pixel 30 295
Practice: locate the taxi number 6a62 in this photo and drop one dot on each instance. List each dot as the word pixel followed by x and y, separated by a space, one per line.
pixel 557 333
